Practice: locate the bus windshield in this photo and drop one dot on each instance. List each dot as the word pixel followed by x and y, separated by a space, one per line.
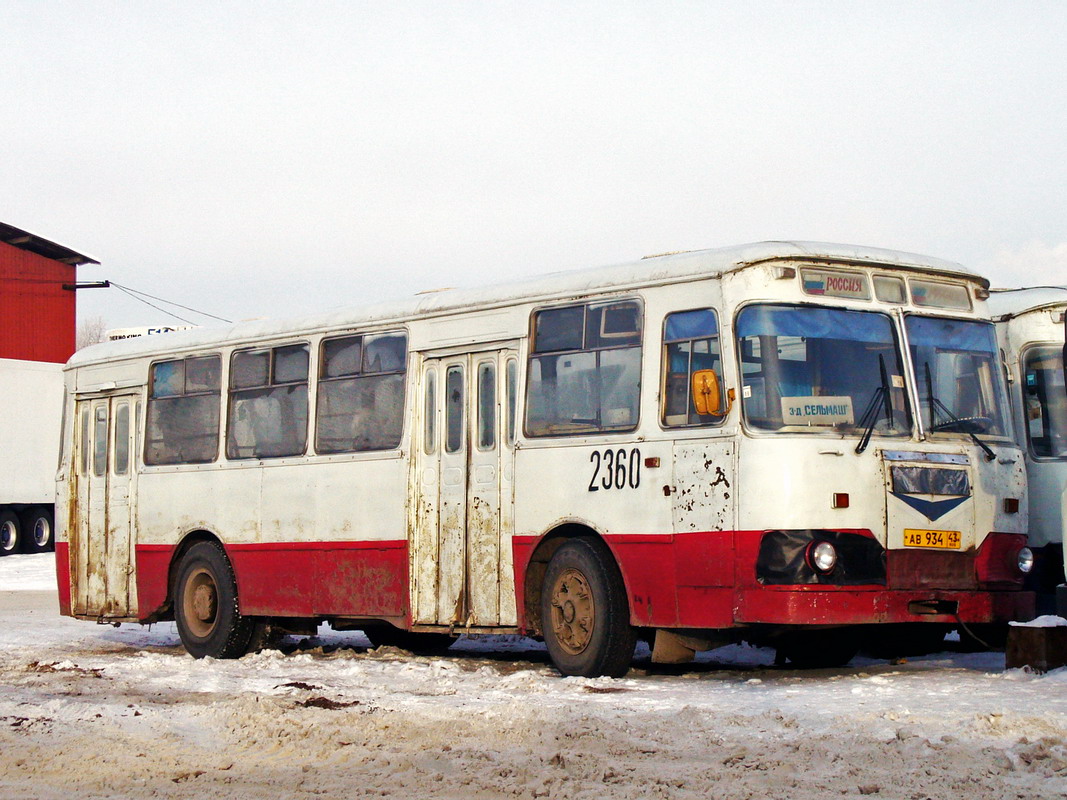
pixel 1045 406
pixel 813 369
pixel 958 376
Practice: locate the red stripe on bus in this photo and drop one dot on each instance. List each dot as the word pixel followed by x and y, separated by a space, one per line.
pixel 63 577
pixel 298 579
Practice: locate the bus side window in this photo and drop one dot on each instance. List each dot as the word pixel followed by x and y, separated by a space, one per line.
pixel 585 369
pixel 268 402
pixel 122 439
pixel 430 422
pixel 513 399
pixel 486 405
pixel 83 442
pixel 100 442
pixel 454 403
pixel 362 382
pixel 1044 401
pixel 690 344
pixel 182 422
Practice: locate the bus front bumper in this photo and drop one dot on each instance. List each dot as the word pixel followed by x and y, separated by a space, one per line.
pixel 860 606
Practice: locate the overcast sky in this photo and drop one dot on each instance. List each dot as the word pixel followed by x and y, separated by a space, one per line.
pixel 270 158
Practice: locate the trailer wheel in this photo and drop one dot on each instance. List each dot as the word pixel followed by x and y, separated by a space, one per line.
pixel 10 533
pixel 205 605
pixel 412 641
pixel 37 527
pixel 584 614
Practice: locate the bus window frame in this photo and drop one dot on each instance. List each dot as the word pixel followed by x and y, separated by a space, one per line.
pixel 532 353
pixel 271 348
pixel 317 378
pixel 899 341
pixel 141 425
pixel 718 419
pixel 1023 354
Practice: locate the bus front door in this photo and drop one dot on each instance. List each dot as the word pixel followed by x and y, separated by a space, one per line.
pixel 101 540
pixel 463 447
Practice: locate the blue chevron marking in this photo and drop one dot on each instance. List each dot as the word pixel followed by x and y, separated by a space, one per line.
pixel 931 509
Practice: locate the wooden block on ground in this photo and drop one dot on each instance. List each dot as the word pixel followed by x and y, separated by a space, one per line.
pixel 1041 649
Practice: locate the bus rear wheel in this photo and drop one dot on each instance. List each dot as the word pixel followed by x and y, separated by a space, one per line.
pixel 205 605
pixel 584 614
pixel 10 533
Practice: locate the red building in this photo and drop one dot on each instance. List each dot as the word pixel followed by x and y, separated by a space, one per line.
pixel 37 296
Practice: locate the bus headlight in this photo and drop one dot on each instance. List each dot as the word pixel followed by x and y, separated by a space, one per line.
pixel 822 557
pixel 1025 560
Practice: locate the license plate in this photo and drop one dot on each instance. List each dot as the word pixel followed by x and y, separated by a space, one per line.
pixel 946 540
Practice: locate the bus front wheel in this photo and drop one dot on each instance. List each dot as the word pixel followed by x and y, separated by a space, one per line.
pixel 584 614
pixel 205 605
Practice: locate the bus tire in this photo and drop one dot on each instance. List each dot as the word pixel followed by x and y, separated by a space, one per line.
pixel 10 533
pixel 584 614
pixel 38 529
pixel 205 605
pixel 421 644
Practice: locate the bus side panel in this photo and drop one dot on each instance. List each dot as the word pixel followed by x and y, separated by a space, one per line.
pixel 304 539
pixel 367 579
pixel 680 580
pixel 672 580
pixel 296 579
pixel 153 570
pixel 328 579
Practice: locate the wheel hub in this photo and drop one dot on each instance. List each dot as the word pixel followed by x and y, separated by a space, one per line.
pixel 204 603
pixel 200 603
pixel 7 536
pixel 42 534
pixel 573 611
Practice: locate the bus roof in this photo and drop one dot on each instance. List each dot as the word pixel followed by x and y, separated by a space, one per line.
pixel 668 268
pixel 1007 303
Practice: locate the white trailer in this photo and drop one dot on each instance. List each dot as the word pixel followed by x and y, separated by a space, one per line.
pixel 31 407
pixel 1030 325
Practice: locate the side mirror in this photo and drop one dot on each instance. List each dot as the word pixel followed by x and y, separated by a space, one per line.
pixel 707 396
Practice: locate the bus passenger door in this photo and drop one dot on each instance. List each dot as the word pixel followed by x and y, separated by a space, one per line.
pixel 101 541
pixel 463 450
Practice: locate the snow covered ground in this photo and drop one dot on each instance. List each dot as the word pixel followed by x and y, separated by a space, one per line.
pixel 91 711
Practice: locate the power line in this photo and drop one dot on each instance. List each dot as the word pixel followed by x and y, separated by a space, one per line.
pixel 153 305
pixel 139 295
pixel 136 294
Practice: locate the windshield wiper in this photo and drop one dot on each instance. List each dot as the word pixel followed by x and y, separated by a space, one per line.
pixel 870 415
pixel 963 426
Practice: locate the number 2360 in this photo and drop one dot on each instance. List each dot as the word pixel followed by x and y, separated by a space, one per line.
pixel 615 469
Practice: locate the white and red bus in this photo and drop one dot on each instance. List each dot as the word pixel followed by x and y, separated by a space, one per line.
pixel 792 444
pixel 1031 325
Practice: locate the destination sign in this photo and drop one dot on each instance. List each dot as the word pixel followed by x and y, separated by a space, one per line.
pixel 817 410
